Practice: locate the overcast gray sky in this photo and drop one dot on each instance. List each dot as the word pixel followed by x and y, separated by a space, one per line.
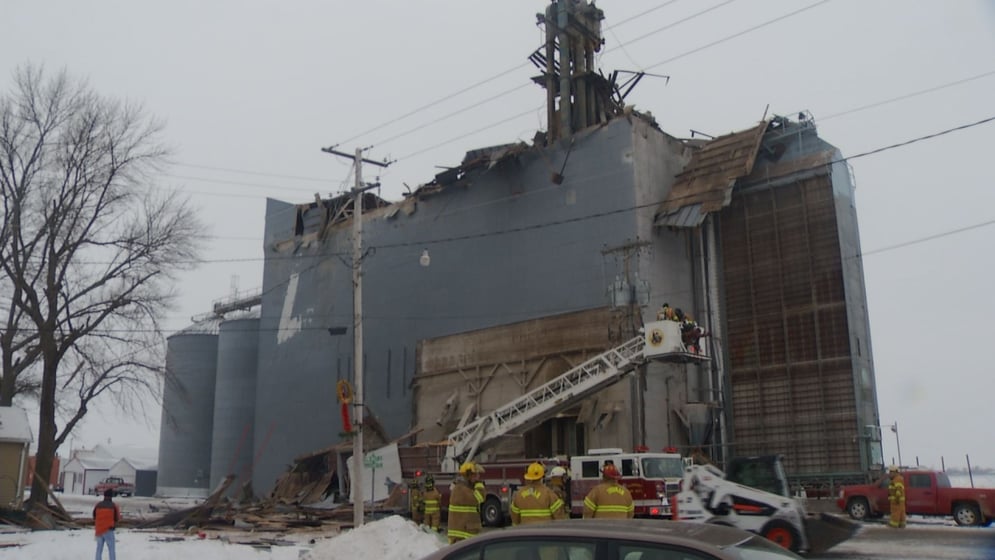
pixel 251 90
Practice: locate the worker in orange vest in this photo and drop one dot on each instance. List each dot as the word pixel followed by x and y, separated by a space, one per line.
pixel 106 515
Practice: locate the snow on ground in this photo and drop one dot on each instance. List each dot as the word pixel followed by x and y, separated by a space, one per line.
pixel 391 538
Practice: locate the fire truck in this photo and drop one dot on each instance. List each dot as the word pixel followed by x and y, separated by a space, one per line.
pixel 651 477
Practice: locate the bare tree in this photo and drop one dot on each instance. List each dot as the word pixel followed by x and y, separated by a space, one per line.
pixel 88 247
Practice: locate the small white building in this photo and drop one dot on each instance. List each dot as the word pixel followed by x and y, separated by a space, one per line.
pixel 84 471
pixel 140 472
pixel 88 467
pixel 15 441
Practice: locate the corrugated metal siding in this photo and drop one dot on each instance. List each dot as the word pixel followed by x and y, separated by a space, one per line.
pixel 791 378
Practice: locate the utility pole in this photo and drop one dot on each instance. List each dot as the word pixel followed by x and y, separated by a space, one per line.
pixel 357 312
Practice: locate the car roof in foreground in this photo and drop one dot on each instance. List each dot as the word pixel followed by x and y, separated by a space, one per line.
pixel 640 529
pixel 692 535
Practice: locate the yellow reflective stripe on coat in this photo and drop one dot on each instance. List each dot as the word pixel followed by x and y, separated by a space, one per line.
pixel 459 534
pixel 463 509
pixel 534 513
pixel 614 509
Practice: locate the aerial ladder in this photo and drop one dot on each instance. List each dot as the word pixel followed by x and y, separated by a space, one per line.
pixel 658 340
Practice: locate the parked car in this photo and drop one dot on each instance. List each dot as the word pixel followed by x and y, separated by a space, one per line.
pixel 926 493
pixel 615 539
pixel 115 483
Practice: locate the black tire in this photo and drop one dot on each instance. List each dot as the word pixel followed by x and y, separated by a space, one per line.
pixel 491 514
pixel 967 515
pixel 858 509
pixel 782 533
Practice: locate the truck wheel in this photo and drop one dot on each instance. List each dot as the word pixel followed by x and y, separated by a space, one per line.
pixel 783 534
pixel 858 509
pixel 491 514
pixel 967 514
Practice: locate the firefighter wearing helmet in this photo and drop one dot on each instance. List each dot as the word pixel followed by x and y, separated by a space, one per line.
pixel 415 499
pixel 896 498
pixel 465 496
pixel 432 499
pixel 534 502
pixel 609 500
pixel 558 484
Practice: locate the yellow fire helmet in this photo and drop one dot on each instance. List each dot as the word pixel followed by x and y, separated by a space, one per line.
pixel 535 472
pixel 468 468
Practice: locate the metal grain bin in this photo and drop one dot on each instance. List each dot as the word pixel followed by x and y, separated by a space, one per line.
pixel 188 411
pixel 235 401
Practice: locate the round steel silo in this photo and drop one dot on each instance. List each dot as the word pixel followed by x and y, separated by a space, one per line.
pixel 235 401
pixel 188 411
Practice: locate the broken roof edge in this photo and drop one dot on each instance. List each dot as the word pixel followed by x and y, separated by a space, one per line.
pixel 730 162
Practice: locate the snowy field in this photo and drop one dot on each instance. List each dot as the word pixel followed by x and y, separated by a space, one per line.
pixel 393 538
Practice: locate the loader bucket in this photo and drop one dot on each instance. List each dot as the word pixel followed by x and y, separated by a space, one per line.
pixel 825 531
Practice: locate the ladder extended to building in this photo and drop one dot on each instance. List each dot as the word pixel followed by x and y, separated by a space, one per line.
pixel 660 340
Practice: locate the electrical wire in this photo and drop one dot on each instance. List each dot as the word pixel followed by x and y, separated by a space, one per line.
pixel 575 219
pixel 247 172
pixel 907 96
pixel 504 73
pixel 738 34
pixel 636 207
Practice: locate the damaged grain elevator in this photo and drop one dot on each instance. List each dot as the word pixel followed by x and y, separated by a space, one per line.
pixel 545 254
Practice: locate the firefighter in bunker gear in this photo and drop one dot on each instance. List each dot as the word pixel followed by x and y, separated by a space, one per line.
pixel 896 497
pixel 465 496
pixel 533 502
pixel 609 500
pixel 432 499
pixel 415 499
pixel 558 484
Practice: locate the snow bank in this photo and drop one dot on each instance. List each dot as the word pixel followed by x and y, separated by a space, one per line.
pixel 392 538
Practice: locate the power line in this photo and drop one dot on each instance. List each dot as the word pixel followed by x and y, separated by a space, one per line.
pixel 410 131
pixel 673 24
pixel 247 172
pixel 471 133
pixel 240 183
pixel 925 239
pixel 907 96
pixel 451 115
pixel 640 14
pixel 682 55
pixel 477 84
pixel 598 214
pixel 436 102
pixel 642 206
pixel 739 34
pixel 658 202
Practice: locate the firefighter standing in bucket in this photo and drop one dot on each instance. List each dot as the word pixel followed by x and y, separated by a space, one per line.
pixel 534 502
pixel 609 500
pixel 465 496
pixel 896 497
pixel 432 499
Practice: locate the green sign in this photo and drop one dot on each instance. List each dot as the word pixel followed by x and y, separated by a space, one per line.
pixel 373 461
